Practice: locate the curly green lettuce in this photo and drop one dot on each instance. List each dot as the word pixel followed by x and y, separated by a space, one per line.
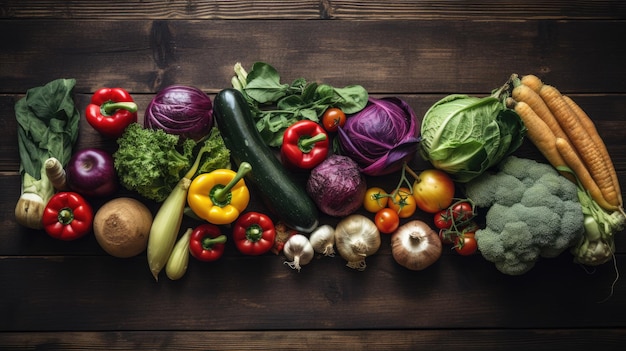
pixel 151 162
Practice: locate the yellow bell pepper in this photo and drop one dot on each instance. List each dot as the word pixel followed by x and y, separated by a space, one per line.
pixel 219 196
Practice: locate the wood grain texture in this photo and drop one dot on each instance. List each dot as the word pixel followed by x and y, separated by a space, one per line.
pixel 394 57
pixel 313 9
pixel 355 340
pixel 244 293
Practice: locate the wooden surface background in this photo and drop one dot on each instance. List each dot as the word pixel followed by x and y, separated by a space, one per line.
pixel 63 296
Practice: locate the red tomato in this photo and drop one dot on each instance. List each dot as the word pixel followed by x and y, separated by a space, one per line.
pixel 387 220
pixel 466 244
pixel 443 219
pixel 462 212
pixel 375 199
pixel 333 118
pixel 433 190
pixel 403 203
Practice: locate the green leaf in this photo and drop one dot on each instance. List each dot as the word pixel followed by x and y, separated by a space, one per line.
pixel 309 113
pixel 308 94
pixel 47 125
pixel 290 103
pixel 324 91
pixel 263 84
pixel 351 99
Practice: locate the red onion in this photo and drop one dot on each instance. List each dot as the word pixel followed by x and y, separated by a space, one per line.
pixel 90 172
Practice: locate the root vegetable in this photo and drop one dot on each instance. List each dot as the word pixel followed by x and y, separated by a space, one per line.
pixel 121 227
pixel 581 142
pixel 415 245
pixel 56 173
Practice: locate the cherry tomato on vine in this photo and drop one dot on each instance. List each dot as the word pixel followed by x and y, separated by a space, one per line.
pixel 333 118
pixel 403 203
pixel 375 199
pixel 462 212
pixel 387 220
pixel 466 244
pixel 443 219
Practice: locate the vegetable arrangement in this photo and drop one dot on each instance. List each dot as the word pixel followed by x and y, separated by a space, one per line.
pixel 307 148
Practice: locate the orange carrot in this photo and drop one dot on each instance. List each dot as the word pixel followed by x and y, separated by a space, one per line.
pixel 541 136
pixel 534 101
pixel 580 140
pixel 588 124
pixel 578 167
pixel 532 82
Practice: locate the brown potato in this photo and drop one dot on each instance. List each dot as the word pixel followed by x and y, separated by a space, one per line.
pixel 121 227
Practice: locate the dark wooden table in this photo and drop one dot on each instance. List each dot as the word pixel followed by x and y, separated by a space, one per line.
pixel 60 296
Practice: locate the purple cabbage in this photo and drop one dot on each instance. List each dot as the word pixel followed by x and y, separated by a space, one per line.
pixel 181 110
pixel 381 137
pixel 337 186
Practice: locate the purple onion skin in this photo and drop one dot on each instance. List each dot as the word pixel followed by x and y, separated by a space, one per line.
pixel 337 186
pixel 90 172
pixel 381 137
pixel 180 110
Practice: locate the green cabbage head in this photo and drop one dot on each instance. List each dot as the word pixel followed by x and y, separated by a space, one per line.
pixel 464 136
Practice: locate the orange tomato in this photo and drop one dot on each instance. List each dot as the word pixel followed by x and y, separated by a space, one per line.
pixel 433 190
pixel 375 199
pixel 403 203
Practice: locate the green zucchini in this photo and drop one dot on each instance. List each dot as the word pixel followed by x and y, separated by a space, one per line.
pixel 281 194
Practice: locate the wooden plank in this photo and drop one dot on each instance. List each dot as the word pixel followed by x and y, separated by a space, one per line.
pixel 396 56
pixel 90 293
pixel 309 9
pixel 355 340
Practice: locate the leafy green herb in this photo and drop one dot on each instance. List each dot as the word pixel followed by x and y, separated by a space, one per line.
pixel 278 105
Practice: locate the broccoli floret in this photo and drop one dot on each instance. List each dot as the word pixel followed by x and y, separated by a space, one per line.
pixel 151 162
pixel 539 216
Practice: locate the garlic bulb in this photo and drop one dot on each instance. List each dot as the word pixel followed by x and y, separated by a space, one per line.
pixel 323 240
pixel 298 250
pixel 356 237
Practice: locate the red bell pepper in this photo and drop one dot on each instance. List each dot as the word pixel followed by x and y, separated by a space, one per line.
pixel 207 242
pixel 111 110
pixel 254 233
pixel 305 145
pixel 67 216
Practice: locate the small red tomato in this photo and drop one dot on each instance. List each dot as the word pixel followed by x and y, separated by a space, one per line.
pixel 333 118
pixel 443 219
pixel 462 212
pixel 466 244
pixel 387 220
